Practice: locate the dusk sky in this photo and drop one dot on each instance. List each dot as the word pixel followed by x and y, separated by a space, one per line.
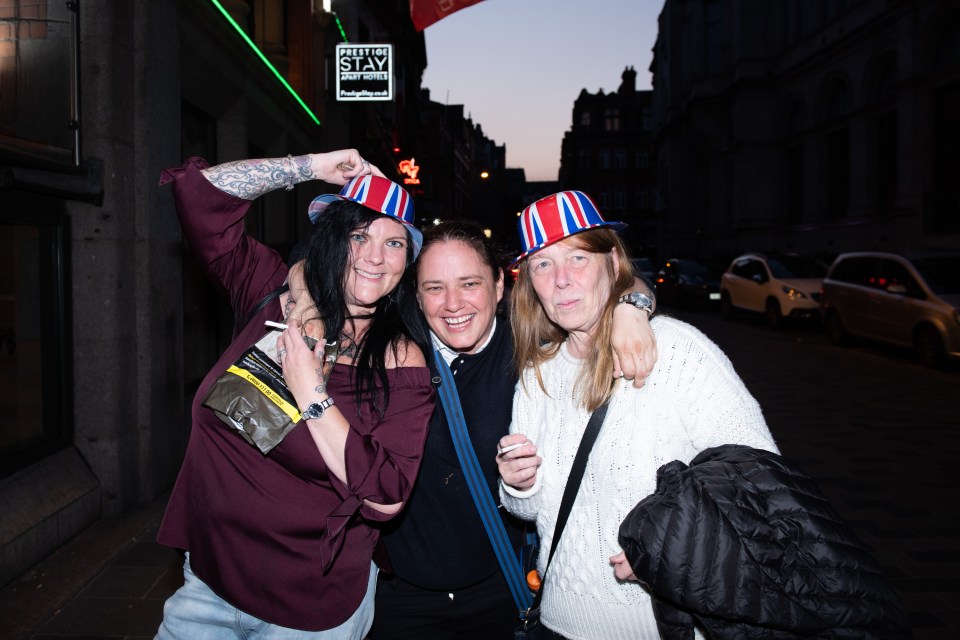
pixel 518 65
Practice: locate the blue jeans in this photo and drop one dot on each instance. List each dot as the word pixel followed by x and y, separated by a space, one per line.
pixel 196 612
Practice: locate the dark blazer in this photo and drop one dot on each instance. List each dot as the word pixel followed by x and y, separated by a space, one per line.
pixel 743 544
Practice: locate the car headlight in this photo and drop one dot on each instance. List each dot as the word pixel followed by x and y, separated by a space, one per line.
pixel 793 293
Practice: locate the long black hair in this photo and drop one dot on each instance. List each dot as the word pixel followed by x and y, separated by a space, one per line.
pixel 395 317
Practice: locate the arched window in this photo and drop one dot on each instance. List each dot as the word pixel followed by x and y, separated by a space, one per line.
pixel 947 52
pixel 836 102
pixel 882 93
pixel 796 122
pixel 943 213
pixel 837 147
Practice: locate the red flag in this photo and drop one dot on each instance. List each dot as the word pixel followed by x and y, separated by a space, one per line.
pixel 425 12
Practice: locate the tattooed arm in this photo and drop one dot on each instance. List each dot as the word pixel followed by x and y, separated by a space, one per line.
pixel 250 179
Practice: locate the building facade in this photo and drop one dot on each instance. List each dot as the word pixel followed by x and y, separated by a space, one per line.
pixel 816 127
pixel 607 154
pixel 106 328
pixel 464 174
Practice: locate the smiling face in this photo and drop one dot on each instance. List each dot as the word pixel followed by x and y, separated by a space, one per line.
pixel 573 285
pixel 457 294
pixel 377 260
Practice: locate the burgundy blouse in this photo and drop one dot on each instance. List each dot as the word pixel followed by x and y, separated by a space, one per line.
pixel 277 535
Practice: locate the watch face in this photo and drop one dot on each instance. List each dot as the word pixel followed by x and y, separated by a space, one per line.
pixel 316 409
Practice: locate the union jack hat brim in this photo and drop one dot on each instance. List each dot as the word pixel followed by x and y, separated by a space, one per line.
pixel 556 217
pixel 379 194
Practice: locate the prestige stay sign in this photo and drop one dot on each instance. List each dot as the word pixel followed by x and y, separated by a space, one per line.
pixel 364 72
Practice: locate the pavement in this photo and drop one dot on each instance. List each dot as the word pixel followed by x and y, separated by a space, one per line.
pixel 109 582
pixel 877 432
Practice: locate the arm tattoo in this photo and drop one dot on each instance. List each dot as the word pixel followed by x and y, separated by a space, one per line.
pixel 250 179
pixel 322 387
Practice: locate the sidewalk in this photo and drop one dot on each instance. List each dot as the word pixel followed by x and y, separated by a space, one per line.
pixel 110 582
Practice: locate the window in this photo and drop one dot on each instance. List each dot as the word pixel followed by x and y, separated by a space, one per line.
pixel 643 160
pixel 643 199
pixel 749 268
pixel 38 82
pixel 833 8
pixel 604 159
pixel 853 270
pixel 583 159
pixel 611 120
pixel 713 30
pixel 838 173
pixel 894 274
pixel 620 159
pixel 585 119
pixel 34 406
pixel 796 177
pixel 619 199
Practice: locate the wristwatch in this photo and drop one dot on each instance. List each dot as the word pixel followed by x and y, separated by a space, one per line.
pixel 639 300
pixel 316 409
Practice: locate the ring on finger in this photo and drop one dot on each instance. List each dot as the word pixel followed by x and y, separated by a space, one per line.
pixel 281 353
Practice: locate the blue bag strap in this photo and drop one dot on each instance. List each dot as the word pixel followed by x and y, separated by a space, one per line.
pixel 486 507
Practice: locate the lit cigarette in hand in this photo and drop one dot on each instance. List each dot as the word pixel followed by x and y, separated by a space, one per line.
pixel 310 340
pixel 511 447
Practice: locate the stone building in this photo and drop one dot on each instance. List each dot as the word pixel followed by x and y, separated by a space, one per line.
pixel 816 127
pixel 607 154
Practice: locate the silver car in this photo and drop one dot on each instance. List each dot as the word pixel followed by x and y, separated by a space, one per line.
pixel 910 299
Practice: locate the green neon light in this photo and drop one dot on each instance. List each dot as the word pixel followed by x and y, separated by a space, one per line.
pixel 260 55
pixel 343 34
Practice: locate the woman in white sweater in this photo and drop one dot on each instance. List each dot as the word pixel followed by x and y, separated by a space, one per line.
pixel 572 271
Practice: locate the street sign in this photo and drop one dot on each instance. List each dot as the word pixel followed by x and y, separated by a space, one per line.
pixel 364 72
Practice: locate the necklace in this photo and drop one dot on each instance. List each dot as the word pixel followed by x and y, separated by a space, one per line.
pixel 348 348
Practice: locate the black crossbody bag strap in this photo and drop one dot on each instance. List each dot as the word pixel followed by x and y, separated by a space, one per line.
pixel 573 487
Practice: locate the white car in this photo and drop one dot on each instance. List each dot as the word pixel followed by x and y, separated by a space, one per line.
pixel 779 286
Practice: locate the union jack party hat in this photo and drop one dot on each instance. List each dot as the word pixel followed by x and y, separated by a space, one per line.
pixel 556 217
pixel 379 194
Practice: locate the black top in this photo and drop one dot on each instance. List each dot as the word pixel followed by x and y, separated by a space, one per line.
pixel 438 541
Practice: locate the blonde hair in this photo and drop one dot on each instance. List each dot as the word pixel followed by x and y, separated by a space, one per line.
pixel 537 339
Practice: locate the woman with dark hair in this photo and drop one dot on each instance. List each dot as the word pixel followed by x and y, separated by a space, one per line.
pixel 447 579
pixel 302 440
pixel 572 273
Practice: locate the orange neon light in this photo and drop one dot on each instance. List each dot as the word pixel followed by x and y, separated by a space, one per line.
pixel 410 169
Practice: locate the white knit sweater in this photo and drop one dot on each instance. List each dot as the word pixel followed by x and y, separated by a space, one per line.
pixel 693 400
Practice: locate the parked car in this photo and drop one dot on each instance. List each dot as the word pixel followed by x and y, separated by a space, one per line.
pixel 684 282
pixel 910 300
pixel 778 285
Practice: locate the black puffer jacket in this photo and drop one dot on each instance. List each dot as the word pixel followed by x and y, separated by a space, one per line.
pixel 743 543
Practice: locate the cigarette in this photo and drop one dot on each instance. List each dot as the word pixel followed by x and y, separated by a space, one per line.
pixel 310 340
pixel 510 447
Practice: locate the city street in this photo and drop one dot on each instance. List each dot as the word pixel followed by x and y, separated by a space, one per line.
pixel 871 426
pixel 878 433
